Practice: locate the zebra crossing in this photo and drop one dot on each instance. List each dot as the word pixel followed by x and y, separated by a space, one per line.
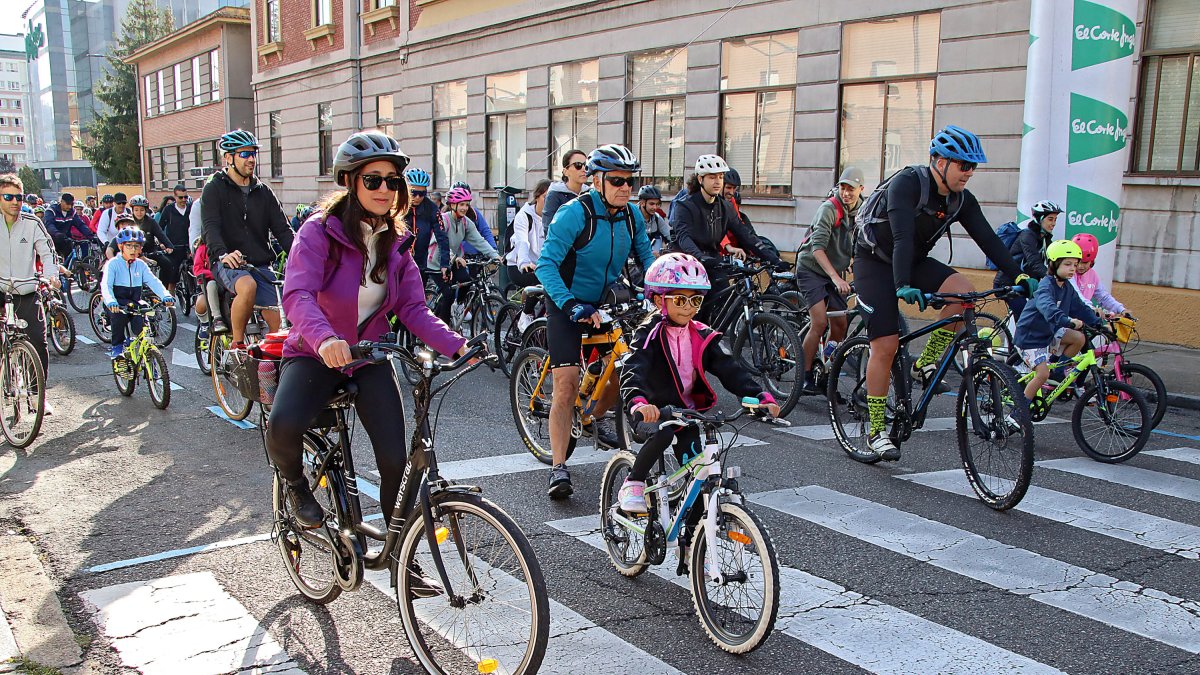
pixel 845 623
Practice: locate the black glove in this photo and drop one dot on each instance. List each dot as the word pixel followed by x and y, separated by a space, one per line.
pixel 781 266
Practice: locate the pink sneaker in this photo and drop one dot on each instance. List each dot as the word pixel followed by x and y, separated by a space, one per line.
pixel 632 496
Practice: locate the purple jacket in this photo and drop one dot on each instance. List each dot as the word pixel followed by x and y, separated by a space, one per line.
pixel 320 293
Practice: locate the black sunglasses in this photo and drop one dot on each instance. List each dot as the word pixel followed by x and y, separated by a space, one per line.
pixel 578 165
pixel 966 167
pixel 372 181
pixel 9 198
pixel 619 181
pixel 122 203
pixel 419 193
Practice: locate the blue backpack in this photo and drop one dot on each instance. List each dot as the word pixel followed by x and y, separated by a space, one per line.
pixel 1008 234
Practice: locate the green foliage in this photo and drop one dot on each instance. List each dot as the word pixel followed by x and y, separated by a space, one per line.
pixel 32 180
pixel 112 143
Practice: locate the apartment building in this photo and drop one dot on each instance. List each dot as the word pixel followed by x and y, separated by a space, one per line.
pixel 14 88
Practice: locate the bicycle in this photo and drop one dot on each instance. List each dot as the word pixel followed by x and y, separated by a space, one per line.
pixel 187 288
pixel 991 409
pixel 509 338
pixel 472 550
pixel 1117 410
pixel 143 359
pixel 163 325
pixel 477 302
pixel 225 362
pixel 84 273
pixel 22 379
pixel 1113 354
pixel 712 520
pixel 60 327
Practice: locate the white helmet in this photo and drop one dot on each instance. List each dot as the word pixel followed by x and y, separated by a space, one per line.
pixel 709 164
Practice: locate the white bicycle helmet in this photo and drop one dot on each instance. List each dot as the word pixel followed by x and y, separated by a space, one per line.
pixel 709 164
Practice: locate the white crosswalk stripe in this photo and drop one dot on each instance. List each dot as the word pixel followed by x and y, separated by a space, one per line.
pixel 1126 605
pixel 824 432
pixel 1130 476
pixel 1189 455
pixel 182 358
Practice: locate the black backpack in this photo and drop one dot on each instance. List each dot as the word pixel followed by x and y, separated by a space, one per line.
pixel 589 230
pixel 875 207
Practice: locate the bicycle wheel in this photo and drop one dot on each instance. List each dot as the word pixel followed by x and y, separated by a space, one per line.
pixel 24 392
pixel 504 623
pixel 124 374
pixel 530 395
pixel 626 548
pixel 783 306
pixel 535 335
pixel 99 318
pixel 158 379
pixel 200 349
pixel 1145 380
pixel 308 555
pixel 83 282
pixel 163 326
pixel 186 291
pixel 738 610
pixel 998 457
pixel 774 356
pixel 236 406
pixel 61 327
pixel 506 339
pixel 846 390
pixel 1112 423
pixel 994 328
pixel 412 375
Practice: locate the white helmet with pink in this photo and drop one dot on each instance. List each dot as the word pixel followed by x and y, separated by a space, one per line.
pixel 675 270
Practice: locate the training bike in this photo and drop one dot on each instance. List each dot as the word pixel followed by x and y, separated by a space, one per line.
pixel 142 359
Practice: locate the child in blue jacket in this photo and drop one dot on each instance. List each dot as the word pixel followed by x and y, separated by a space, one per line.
pixel 122 283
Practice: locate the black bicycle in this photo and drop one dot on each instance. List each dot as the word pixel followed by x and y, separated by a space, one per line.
pixel 84 277
pixel 994 429
pixel 470 590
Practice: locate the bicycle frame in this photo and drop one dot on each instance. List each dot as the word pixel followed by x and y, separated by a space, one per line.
pixel 616 339
pixel 1084 362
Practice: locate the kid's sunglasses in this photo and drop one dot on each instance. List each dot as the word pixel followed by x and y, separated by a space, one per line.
pixel 685 300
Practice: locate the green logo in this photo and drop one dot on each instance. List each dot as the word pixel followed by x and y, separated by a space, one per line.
pixel 1091 213
pixel 1097 129
pixel 35 39
pixel 1102 34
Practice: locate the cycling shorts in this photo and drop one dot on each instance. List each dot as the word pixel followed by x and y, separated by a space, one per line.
pixel 876 288
pixel 566 338
pixel 265 295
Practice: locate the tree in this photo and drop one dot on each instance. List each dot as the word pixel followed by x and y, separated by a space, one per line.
pixel 30 179
pixel 7 166
pixel 112 145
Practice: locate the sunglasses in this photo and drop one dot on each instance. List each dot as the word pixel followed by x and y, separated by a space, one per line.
pixel 419 193
pixel 684 300
pixel 966 167
pixel 372 181
pixel 618 181
pixel 11 197
pixel 247 154
pixel 577 165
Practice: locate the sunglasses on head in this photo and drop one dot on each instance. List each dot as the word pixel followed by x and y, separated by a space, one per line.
pixel 419 193
pixel 247 154
pixel 685 300
pixel 372 181
pixel 10 197
pixel 577 165
pixel 966 167
pixel 619 181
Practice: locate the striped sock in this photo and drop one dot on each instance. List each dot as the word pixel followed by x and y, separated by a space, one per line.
pixel 877 408
pixel 938 341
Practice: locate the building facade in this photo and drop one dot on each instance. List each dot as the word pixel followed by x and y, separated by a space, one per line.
pixel 14 90
pixel 788 91
pixel 193 86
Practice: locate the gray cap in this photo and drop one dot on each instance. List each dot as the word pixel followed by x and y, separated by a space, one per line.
pixel 852 176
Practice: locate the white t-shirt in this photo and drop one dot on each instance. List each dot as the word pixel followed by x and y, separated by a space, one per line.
pixel 371 294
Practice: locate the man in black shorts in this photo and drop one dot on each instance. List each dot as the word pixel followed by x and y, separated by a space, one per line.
pixel 821 266
pixel 896 231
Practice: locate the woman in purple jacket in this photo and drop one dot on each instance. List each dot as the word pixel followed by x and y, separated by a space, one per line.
pixel 350 265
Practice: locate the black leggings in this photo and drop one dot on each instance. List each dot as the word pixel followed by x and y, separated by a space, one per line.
pixel 28 308
pixel 306 385
pixel 449 295
pixel 687 443
pixel 519 278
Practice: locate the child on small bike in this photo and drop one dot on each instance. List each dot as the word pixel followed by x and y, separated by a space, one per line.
pixel 671 358
pixel 122 284
pixel 1060 314
pixel 1087 282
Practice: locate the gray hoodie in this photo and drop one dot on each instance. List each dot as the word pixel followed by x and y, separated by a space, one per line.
pixel 558 195
pixel 19 245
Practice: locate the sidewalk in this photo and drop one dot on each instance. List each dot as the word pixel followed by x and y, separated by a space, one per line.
pixel 38 630
pixel 1179 367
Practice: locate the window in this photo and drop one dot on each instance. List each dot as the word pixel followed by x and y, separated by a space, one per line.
pixel 449 132
pixel 1168 116
pixel 274 32
pixel 3 103
pixel 324 139
pixel 162 92
pixel 178 86
pixel 183 75
pixel 16 121
pixel 758 112
pixel 150 166
pixel 889 68
pixel 162 165
pixel 276 132
pixel 655 125
pixel 3 121
pixel 198 162
pixel 504 105
pixel 384 110
pixel 574 90
pixel 323 12
pixel 16 104
pixel 214 61
pixel 20 140
pixel 151 83
pixel 196 81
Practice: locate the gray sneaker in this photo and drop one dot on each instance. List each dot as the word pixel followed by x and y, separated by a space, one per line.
pixel 560 482
pixel 927 373
pixel 605 432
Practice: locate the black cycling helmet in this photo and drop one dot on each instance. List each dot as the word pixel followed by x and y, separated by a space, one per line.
pixel 236 140
pixel 31 198
pixel 460 184
pixel 732 177
pixel 365 147
pixel 649 192
pixel 612 158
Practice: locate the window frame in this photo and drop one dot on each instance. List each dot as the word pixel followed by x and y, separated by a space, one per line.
pixel 324 140
pixel 1140 135
pixel 641 97
pixel 275 134
pixel 449 120
pixel 320 7
pixel 508 138
pixel 272 15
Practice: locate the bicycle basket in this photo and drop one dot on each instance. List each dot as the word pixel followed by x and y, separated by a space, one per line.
pixel 1124 329
pixel 256 378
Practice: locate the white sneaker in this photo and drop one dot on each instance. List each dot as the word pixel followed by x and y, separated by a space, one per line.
pixel 523 322
pixel 632 496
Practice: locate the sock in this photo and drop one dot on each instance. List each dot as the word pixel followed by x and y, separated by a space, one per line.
pixel 877 407
pixel 939 340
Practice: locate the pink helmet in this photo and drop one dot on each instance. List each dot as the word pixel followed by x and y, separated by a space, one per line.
pixel 676 270
pixel 1089 245
pixel 458 194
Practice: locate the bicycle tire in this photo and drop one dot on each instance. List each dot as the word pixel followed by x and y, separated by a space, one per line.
pixel 99 318
pixel 22 359
pixel 846 391
pixel 186 291
pixel 787 309
pixel 532 416
pixel 158 379
pixel 200 350
pixel 412 374
pixel 125 385
pixel 83 279
pixel 763 549
pixel 536 335
pixel 165 324
pixel 999 352
pixel 1001 478
pixel 506 340
pixel 777 355
pixel 296 544
pixel 61 327
pixel 512 647
pixel 1111 407
pixel 1154 390
pixel 626 548
pixel 235 406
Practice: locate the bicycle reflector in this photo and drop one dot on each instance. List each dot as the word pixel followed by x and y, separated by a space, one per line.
pixel 739 537
pixel 442 535
pixel 487 665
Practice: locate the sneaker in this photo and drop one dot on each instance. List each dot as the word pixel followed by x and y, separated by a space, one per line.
pixel 632 496
pixel 523 322
pixel 560 482
pixel 883 446
pixel 1011 425
pixel 219 327
pixel 421 585
pixel 809 388
pixel 925 374
pixel 604 431
pixel 304 506
pixel 202 332
pixel 48 410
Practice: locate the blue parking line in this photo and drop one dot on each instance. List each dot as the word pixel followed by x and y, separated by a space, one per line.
pixel 1173 434
pixel 241 424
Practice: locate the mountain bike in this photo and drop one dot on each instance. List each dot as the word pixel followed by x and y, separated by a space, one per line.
pixel 718 542
pixel 163 324
pixel 1111 421
pixel 84 277
pixel 508 336
pixel 60 327
pixel 478 301
pixel 469 588
pixel 994 429
pixel 143 359
pixel 22 379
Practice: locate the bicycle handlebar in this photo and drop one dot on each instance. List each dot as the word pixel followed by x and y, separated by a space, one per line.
pixel 131 308
pixel 939 300
pixel 364 352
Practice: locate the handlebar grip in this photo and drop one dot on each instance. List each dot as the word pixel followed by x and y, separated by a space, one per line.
pixel 361 350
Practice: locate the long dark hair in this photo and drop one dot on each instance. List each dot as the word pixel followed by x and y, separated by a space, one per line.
pixel 566 160
pixel 693 184
pixel 344 205
pixel 542 187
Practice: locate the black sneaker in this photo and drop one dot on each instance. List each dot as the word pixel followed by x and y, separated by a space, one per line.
pixel 809 388
pixel 605 433
pixel 560 482
pixel 883 446
pixel 305 508
pixel 421 585
pixel 925 374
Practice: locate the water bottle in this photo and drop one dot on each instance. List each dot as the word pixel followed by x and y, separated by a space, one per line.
pixel 829 348
pixel 268 380
pixel 590 376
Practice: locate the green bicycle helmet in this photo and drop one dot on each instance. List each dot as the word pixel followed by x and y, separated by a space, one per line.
pixel 1063 248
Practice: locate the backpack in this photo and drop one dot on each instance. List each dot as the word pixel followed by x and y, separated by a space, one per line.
pixel 839 211
pixel 1008 234
pixel 589 230
pixel 874 210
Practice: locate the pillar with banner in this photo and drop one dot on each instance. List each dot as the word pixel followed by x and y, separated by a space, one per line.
pixel 1075 147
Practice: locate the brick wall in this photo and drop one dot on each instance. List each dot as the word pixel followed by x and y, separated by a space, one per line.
pixel 383 29
pixel 184 126
pixel 296 17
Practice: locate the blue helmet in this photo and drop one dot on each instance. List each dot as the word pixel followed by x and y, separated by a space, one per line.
pixel 417 178
pixel 130 235
pixel 957 143
pixel 236 140
pixel 612 158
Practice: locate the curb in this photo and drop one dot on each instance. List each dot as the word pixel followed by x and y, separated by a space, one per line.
pixel 1184 401
pixel 31 607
